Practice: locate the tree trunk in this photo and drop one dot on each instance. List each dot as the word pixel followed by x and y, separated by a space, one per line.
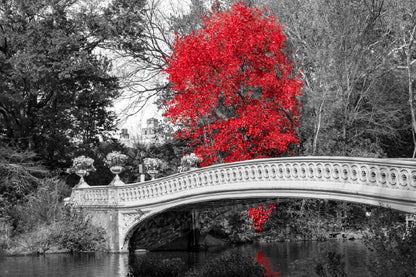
pixel 410 84
pixel 318 126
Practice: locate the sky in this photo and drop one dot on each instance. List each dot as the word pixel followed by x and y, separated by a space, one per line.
pixel 134 122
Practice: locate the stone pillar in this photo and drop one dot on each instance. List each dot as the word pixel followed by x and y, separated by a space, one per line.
pixel 142 175
pixel 107 217
pixel 410 221
pixel 108 220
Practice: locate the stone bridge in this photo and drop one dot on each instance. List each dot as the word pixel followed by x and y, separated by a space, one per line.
pixel 120 208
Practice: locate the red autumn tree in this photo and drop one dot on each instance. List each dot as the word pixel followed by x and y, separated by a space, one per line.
pixel 235 93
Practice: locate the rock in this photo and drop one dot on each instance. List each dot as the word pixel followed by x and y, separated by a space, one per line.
pixel 333 235
pixel 19 251
pixel 140 251
pixel 56 250
pixel 212 241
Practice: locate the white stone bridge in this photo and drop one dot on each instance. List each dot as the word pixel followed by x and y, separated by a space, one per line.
pixel 119 209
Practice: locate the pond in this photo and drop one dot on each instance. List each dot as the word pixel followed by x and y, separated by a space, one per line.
pixel 282 259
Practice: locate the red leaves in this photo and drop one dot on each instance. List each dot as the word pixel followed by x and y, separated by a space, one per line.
pixel 265 263
pixel 260 215
pixel 235 93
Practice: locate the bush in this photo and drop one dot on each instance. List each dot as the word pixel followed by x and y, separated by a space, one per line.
pixel 34 241
pixel 231 264
pixel 19 176
pixel 76 233
pixel 223 223
pixel 32 209
pixel 42 207
pixel 5 235
pixel 40 221
pixel 394 247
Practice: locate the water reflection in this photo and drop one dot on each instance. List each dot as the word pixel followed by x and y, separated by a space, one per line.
pixel 282 259
pixel 83 265
pixel 279 259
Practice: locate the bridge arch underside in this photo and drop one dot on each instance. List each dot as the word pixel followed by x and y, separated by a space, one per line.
pixel 397 199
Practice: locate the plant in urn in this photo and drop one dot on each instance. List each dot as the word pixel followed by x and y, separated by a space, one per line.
pixel 116 162
pixel 82 166
pixel 152 166
pixel 189 162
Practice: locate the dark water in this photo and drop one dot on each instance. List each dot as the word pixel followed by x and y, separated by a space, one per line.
pixel 282 258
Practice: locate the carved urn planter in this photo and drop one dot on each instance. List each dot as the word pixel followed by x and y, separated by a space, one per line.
pixel 152 173
pixel 189 162
pixel 116 170
pixel 115 161
pixel 152 165
pixel 82 173
pixel 81 166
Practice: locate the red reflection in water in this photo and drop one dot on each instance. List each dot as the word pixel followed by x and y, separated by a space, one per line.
pixel 265 263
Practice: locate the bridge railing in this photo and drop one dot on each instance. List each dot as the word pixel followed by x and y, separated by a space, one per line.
pixel 397 174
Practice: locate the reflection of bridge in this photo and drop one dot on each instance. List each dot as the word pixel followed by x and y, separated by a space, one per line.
pixel 119 209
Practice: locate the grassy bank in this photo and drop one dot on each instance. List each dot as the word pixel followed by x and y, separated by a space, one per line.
pixel 40 223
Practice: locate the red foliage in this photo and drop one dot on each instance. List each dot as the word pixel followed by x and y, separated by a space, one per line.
pixel 265 263
pixel 260 215
pixel 235 94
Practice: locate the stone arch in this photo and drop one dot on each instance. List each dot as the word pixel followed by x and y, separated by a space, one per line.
pixel 155 225
pixel 262 193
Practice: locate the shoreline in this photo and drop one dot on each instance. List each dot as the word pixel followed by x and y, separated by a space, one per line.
pixel 341 235
pixel 262 238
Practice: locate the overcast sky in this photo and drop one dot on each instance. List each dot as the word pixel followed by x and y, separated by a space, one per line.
pixel 135 122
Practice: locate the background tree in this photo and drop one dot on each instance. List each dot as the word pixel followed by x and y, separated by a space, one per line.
pixel 235 91
pixel 55 91
pixel 139 56
pixel 350 96
pixel 402 55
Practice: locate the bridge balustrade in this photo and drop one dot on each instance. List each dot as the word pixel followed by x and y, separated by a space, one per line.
pixel 382 173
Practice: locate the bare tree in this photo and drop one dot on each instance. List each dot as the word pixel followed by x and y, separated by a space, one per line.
pixel 403 52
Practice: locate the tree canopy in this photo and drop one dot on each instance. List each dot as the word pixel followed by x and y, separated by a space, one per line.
pixel 56 87
pixel 235 92
pixel 353 58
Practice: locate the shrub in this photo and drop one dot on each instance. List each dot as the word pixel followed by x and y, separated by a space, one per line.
pixel 76 233
pixel 19 176
pixel 36 240
pixel 41 207
pixel 31 206
pixel 394 247
pixel 5 235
